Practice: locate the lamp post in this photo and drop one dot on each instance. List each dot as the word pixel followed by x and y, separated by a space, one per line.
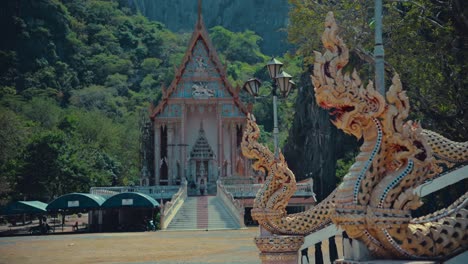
pixel 379 50
pixel 281 80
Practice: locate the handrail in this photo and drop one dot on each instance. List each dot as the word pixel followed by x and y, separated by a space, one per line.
pixel 157 192
pixel 250 190
pixel 235 207
pixel 453 176
pixel 170 208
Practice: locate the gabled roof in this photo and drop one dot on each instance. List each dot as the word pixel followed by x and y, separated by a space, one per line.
pixel 200 33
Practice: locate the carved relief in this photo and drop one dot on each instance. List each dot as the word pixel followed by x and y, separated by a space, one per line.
pixel 201 90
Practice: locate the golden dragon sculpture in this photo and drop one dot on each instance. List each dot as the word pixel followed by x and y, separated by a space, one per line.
pixel 373 203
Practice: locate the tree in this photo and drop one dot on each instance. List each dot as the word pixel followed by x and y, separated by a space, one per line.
pixel 241 46
pixel 119 82
pixel 150 65
pixel 12 141
pixel 46 172
pixel 44 111
pixel 148 82
pixel 422 41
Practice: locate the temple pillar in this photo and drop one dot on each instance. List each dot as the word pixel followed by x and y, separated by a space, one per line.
pixel 278 249
pixel 232 133
pixel 157 152
pixel 183 144
pixel 170 153
pixel 221 153
pixel 177 153
pixel 193 170
pixel 219 158
pixel 212 170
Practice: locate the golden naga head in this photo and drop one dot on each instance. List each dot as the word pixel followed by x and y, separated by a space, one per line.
pixel 351 105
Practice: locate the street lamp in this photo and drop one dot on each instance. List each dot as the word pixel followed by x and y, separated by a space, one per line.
pixel 281 79
pixel 252 86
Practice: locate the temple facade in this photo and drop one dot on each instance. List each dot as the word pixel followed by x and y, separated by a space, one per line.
pixel 197 126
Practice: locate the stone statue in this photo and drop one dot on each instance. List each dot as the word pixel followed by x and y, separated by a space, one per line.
pixel 373 204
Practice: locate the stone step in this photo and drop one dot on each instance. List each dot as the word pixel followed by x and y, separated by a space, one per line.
pixel 203 213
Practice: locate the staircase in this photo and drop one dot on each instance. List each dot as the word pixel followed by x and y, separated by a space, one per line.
pixel 203 213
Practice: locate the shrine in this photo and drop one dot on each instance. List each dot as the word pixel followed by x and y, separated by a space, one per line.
pixel 198 124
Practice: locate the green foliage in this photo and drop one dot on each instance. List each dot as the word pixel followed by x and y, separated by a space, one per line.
pixel 119 82
pixel 242 46
pixel 75 76
pixel 422 41
pixel 12 137
pixel 46 172
pixel 343 165
pixel 149 65
pixel 148 82
pixel 93 97
pixel 45 112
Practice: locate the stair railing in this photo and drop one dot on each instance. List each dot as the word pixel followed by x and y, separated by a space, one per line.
pixel 170 208
pixel 235 207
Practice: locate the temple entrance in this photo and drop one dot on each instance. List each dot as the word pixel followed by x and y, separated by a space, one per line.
pixel 201 170
pixel 202 178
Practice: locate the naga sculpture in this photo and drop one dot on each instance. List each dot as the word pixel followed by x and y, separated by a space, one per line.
pixel 373 203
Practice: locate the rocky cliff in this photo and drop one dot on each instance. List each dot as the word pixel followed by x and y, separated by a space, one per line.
pixel 267 18
pixel 314 143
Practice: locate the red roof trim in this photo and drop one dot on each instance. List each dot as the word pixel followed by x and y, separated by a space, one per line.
pixel 199 33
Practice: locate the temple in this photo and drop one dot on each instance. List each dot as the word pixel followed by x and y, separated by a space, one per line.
pixel 197 126
pixel 191 155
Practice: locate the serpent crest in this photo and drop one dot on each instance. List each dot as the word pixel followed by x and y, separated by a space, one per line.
pixel 374 202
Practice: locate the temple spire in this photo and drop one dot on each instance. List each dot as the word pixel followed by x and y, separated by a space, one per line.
pixel 199 10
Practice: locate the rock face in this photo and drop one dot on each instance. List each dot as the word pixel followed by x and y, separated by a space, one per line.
pixel 266 18
pixel 314 143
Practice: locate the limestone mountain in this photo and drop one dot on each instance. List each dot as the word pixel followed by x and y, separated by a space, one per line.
pixel 266 18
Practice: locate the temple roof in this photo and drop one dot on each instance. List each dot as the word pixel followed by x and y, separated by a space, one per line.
pixel 202 149
pixel 199 34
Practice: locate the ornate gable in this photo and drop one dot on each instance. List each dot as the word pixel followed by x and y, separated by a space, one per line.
pixel 200 76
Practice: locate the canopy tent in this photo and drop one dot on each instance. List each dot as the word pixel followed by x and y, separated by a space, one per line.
pixel 25 207
pixel 130 199
pixel 76 201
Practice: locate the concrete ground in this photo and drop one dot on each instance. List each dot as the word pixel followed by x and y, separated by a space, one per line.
pixel 233 246
pixel 226 246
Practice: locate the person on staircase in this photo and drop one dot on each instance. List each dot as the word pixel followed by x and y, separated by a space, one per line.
pixel 202 187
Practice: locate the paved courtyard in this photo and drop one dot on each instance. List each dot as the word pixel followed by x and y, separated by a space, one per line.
pixel 231 246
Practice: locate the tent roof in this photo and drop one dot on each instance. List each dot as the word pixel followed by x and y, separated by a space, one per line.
pixel 130 199
pixel 25 207
pixel 76 201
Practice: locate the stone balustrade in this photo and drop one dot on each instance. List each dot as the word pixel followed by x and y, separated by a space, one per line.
pixel 157 192
pixel 234 206
pixel 250 190
pixel 170 208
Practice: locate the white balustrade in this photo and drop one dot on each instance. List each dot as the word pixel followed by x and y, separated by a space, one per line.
pixel 170 208
pixel 250 190
pixel 157 192
pixel 234 206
